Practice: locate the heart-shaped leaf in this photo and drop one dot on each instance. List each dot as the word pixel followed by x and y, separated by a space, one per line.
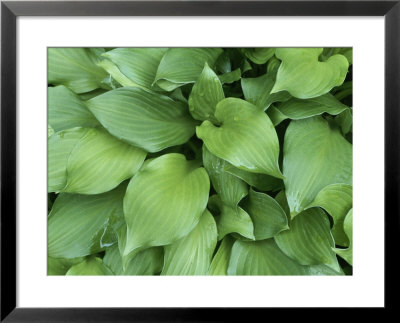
pixel 337 200
pixel 309 240
pixel 80 225
pixel 246 137
pixel 99 162
pixel 147 120
pixel 163 202
pixel 75 68
pixel 315 155
pixel 91 266
pixel 220 262
pixel 304 76
pixel 60 266
pixel 180 66
pixel 206 93
pixel 192 254
pixel 66 110
pixel 268 217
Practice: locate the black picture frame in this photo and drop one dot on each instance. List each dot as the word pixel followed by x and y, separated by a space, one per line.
pixel 11 10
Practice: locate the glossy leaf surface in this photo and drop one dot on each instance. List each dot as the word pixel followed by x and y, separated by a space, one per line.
pixel 220 262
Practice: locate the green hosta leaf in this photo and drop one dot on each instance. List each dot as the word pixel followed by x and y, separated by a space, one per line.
pixel 192 254
pixel 281 199
pixel 304 76
pixel 220 262
pixel 257 91
pixel 309 240
pixel 230 77
pixel 66 110
pixel 276 115
pixel 206 93
pixel 300 109
pixel 75 68
pixel 246 137
pixel 262 258
pixel 81 225
pixel 115 73
pixel 268 217
pixel 60 266
pixel 180 66
pixel 259 55
pixel 164 202
pixel 337 200
pixel 92 266
pixel 147 120
pixel 315 155
pixel 261 182
pixel 347 254
pixel 90 95
pixel 147 262
pixel 230 188
pixel 231 219
pixel 99 162
pixel 345 121
pixel 137 65
pixel 60 146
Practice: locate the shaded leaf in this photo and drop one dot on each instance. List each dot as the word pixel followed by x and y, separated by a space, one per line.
pixel 60 266
pixel 230 77
pixel 147 120
pixel 259 55
pixel 337 200
pixel 268 217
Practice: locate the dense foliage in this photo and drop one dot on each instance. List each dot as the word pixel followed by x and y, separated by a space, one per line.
pixel 200 161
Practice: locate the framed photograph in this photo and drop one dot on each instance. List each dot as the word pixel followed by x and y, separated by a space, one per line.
pixel 182 160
